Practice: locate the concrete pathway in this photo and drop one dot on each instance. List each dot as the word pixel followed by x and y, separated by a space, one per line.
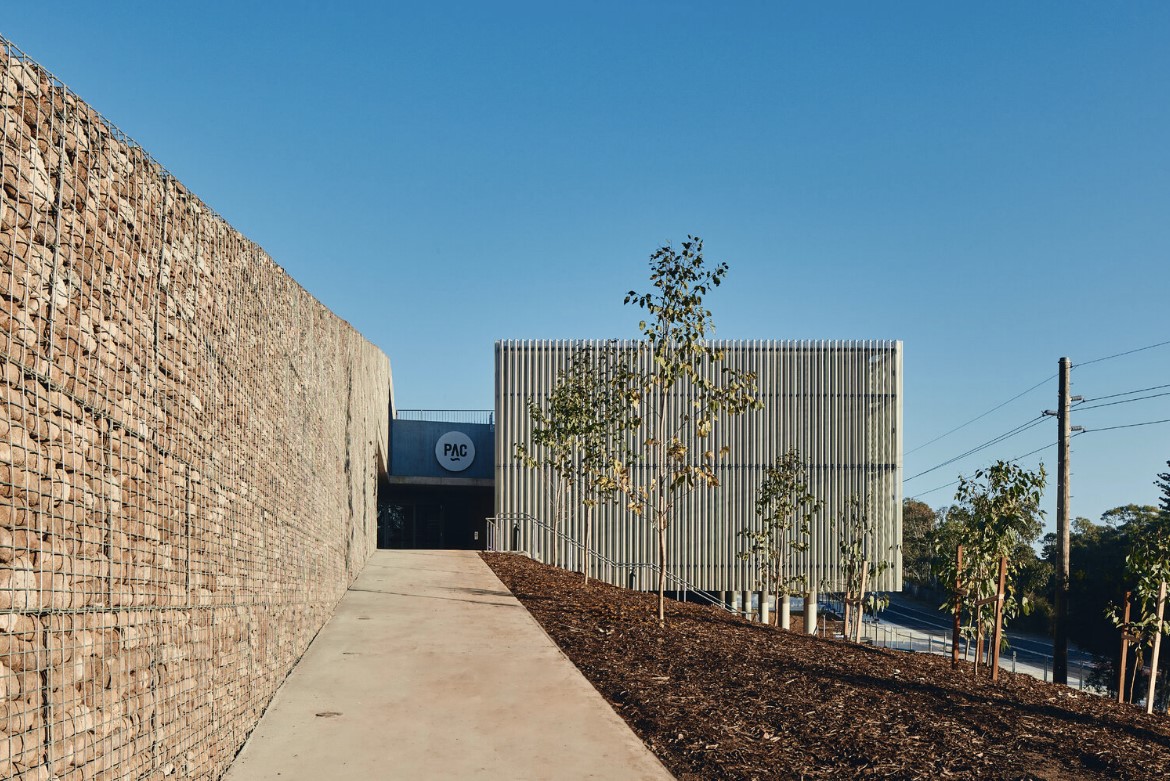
pixel 431 669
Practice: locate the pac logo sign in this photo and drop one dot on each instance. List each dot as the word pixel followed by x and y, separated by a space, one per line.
pixel 455 451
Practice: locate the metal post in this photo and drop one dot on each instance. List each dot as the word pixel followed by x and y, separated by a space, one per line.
pixel 1013 661
pixel 810 612
pixel 1046 669
pixel 785 609
pixel 1060 627
pixel 764 617
pixel 747 604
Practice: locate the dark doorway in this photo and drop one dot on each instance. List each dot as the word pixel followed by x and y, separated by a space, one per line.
pixel 434 517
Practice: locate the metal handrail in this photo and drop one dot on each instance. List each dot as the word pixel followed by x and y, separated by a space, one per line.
pixel 673 579
pixel 478 416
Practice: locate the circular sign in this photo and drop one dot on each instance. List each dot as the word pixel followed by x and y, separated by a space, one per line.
pixel 455 451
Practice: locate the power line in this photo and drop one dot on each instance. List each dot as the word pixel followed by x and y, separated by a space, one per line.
pixel 1127 352
pixel 980 417
pixel 1126 393
pixel 1006 435
pixel 1131 425
pixel 1123 401
pixel 1010 461
pixel 1037 450
pixel 932 490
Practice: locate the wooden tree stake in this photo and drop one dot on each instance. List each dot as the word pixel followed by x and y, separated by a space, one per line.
pixel 999 597
pixel 1157 646
pixel 1124 649
pixel 860 601
pixel 958 607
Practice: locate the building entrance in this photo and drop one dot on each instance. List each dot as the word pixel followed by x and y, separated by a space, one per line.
pixel 434 517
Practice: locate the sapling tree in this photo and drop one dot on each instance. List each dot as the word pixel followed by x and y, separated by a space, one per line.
pixel 996 510
pixel 557 425
pixel 785 506
pixel 681 387
pixel 599 379
pixel 860 566
pixel 1148 570
pixel 576 431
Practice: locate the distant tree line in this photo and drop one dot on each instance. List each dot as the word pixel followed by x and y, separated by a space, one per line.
pixel 1126 550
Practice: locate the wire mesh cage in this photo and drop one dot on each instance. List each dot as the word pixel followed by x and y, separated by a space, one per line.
pixel 188 456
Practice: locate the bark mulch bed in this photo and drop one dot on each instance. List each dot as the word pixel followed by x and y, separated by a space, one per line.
pixel 715 696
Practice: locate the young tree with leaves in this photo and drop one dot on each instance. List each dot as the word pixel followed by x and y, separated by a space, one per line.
pixel 1148 570
pixel 577 431
pixel 997 510
pixel 785 506
pixel 550 449
pixel 679 359
pixel 860 566
pixel 600 379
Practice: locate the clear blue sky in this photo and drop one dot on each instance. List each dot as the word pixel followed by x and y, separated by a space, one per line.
pixel 989 183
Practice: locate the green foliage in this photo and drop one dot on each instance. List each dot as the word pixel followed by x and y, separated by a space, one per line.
pixel 1147 568
pixel 675 333
pixel 1163 483
pixel 1097 554
pixel 595 383
pixel 785 506
pixel 1132 516
pixel 997 515
pixel 577 430
pixel 918 525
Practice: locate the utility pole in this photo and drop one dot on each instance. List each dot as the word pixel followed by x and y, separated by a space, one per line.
pixel 1060 630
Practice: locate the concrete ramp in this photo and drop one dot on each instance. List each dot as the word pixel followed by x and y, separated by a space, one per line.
pixel 431 669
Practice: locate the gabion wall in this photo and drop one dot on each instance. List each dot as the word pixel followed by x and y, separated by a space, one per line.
pixel 189 449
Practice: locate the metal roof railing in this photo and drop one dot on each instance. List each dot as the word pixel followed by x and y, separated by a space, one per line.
pixel 480 416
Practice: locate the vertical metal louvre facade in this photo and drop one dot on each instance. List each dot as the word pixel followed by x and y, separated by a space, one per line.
pixel 838 403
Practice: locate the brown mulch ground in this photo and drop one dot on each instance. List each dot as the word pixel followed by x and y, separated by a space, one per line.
pixel 715 696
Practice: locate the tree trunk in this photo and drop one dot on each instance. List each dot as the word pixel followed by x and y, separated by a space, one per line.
pixel 978 640
pixel 847 610
pixel 570 519
pixel 558 510
pixel 661 574
pixel 588 530
pixel 1138 658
